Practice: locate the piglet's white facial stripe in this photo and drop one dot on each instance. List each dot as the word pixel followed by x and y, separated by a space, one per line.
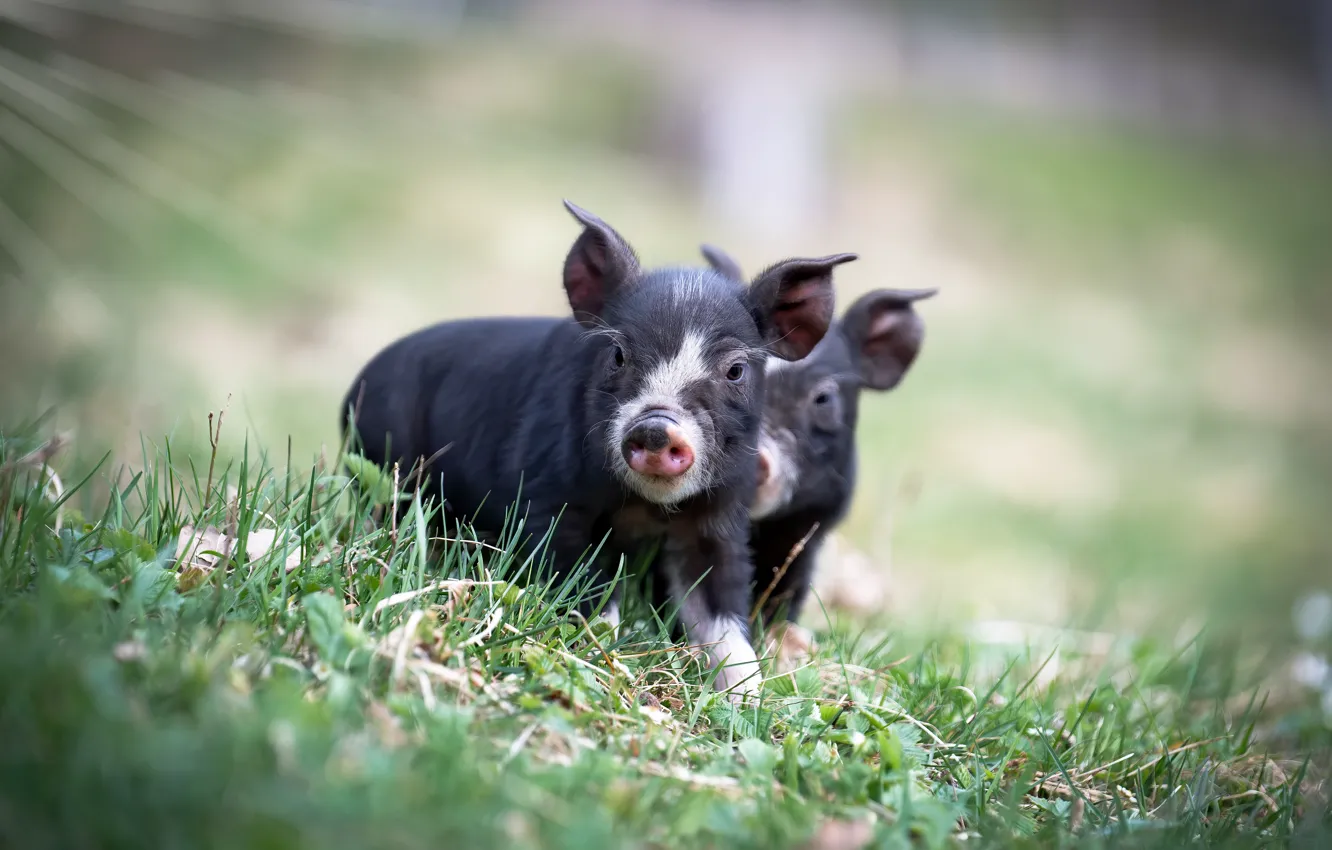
pixel 671 378
pixel 664 388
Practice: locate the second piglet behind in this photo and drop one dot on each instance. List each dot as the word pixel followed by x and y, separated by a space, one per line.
pixel 807 448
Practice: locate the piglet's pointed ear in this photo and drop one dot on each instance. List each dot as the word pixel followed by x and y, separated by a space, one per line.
pixel 885 334
pixel 722 263
pixel 793 303
pixel 599 262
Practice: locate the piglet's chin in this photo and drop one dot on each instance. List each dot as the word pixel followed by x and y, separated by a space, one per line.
pixel 661 490
pixel 767 499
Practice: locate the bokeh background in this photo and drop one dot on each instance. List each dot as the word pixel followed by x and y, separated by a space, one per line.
pixel 1121 413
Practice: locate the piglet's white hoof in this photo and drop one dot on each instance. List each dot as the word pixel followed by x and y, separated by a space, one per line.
pixel 740 682
pixel 789 646
pixel 610 616
pixel 725 642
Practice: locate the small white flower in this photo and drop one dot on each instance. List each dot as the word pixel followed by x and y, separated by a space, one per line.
pixel 1309 670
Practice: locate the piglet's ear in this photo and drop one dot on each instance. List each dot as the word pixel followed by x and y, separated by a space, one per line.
pixel 722 263
pixel 885 334
pixel 793 303
pixel 599 262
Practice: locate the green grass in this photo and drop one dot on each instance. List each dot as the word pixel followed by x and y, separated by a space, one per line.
pixel 359 684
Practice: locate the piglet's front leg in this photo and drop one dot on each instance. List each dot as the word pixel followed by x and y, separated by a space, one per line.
pixel 708 574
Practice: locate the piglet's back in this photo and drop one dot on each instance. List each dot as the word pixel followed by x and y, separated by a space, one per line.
pixel 464 382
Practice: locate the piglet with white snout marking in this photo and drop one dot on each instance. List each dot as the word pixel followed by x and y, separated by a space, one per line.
pixel 636 420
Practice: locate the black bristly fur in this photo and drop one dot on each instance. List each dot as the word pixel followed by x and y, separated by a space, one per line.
pixel 536 412
pixel 809 426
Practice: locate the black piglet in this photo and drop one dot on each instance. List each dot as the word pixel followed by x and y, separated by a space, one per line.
pixel 636 420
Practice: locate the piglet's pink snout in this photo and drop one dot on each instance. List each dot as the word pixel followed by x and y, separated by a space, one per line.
pixel 657 446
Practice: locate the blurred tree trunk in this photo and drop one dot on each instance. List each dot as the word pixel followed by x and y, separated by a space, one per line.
pixel 762 130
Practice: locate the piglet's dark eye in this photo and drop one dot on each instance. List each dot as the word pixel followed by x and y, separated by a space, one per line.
pixel 822 398
pixel 617 356
pixel 736 373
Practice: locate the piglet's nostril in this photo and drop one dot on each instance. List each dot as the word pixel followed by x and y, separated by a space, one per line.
pixel 654 439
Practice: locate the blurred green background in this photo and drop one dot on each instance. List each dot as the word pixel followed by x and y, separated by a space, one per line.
pixel 1120 414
